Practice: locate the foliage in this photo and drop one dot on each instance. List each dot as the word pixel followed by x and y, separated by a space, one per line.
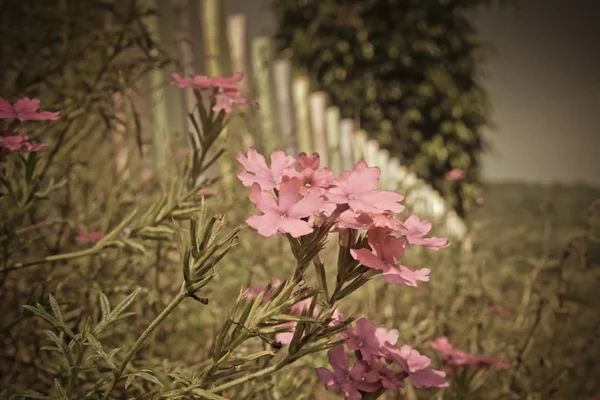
pixel 407 70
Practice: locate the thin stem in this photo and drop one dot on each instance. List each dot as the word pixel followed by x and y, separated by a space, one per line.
pixel 58 257
pixel 160 318
pixel 247 378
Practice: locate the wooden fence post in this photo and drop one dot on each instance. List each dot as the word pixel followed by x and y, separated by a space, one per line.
pixel 263 54
pixel 282 70
pixel 332 121
pixel 394 174
pixel 346 143
pixel 300 87
pixel 360 145
pixel 383 158
pixel 318 101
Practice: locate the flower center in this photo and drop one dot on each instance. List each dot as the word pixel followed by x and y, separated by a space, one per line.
pixel 352 196
pixel 283 216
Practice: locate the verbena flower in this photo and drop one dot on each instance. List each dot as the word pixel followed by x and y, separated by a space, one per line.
pixel 83 236
pixel 343 378
pixel 455 359
pixel 414 229
pixel 386 251
pixel 284 215
pixel 14 142
pixel 225 92
pixel 379 365
pixel 357 189
pixel 369 339
pixel 257 171
pixel 204 82
pixel 227 99
pixel 25 109
pixel 455 174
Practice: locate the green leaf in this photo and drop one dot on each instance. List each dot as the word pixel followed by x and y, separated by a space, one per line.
pixel 62 393
pixel 99 349
pixel 104 305
pixel 56 309
pixel 135 245
pixel 115 315
pixel 145 375
pixel 30 166
pixel 208 395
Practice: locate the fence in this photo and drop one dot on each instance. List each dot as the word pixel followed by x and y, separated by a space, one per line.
pixel 292 117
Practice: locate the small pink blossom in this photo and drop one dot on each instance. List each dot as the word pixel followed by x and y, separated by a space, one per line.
pixel 14 142
pixel 309 162
pixel 455 174
pixel 414 229
pixel 287 216
pixel 88 237
pixel 343 378
pixel 386 251
pixel 204 82
pixel 454 358
pixel 369 339
pixel 387 220
pixel 353 220
pixel 257 171
pixel 414 364
pixel 25 109
pixel 312 178
pixel 357 189
pixel 226 100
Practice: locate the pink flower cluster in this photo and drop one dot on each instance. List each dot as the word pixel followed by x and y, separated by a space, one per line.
pixel 455 359
pixel 25 109
pixel 379 363
pixel 84 236
pixel 295 310
pixel 295 200
pixel 225 92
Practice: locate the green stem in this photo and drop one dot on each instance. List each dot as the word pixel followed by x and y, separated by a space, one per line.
pixel 172 305
pixel 75 370
pixel 58 257
pixel 247 378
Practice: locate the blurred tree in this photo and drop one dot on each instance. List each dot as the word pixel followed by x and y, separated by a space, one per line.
pixel 407 70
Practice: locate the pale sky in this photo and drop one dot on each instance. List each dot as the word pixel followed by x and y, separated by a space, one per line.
pixel 544 84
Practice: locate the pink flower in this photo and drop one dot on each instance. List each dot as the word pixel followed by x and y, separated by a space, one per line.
pixel 348 381
pixel 25 109
pixel 387 220
pixel 455 174
pixel 414 229
pixel 369 339
pixel 204 82
pixel 285 217
pixel 309 162
pixel 14 142
pixel 84 237
pixel 414 364
pixel 357 189
pixel 352 220
pixel 387 250
pixel 455 358
pixel 388 378
pixel 257 171
pixel 226 100
pixel 312 178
